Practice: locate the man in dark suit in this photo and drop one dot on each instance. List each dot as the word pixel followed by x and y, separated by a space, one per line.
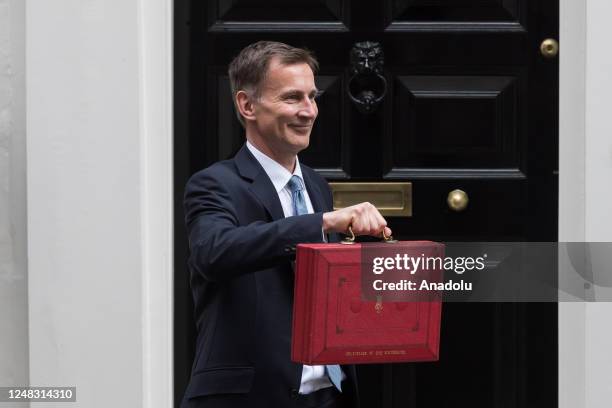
pixel 244 217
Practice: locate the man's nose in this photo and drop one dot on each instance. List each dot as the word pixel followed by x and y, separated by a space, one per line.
pixel 309 109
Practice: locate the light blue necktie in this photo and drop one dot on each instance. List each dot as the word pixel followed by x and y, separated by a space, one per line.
pixel 297 197
pixel 299 207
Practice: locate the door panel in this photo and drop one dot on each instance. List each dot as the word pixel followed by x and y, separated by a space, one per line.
pixel 269 15
pixel 402 13
pixel 478 128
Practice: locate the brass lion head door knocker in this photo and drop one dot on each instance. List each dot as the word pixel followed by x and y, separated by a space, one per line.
pixel 367 86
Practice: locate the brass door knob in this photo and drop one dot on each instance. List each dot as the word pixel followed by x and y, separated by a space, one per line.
pixel 457 200
pixel 549 48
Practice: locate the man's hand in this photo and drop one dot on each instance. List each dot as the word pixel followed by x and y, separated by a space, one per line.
pixel 363 218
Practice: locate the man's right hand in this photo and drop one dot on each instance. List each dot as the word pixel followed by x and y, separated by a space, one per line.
pixel 364 219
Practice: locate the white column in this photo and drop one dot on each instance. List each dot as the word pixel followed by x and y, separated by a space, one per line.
pixel 99 199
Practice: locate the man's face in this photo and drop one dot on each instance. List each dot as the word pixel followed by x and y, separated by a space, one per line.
pixel 286 109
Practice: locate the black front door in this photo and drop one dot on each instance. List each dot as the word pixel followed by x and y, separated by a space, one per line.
pixel 463 96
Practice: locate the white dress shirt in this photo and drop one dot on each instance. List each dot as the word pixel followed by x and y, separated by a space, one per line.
pixel 313 377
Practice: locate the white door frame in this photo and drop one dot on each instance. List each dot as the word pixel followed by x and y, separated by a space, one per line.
pixel 585 169
pixel 156 95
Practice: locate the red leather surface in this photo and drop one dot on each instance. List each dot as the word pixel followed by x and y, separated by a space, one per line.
pixel 332 324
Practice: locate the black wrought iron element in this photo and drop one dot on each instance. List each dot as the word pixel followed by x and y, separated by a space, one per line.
pixel 367 86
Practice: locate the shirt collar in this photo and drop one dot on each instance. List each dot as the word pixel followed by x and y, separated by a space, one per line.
pixel 279 175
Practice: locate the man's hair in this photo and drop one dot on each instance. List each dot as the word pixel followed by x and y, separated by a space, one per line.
pixel 248 69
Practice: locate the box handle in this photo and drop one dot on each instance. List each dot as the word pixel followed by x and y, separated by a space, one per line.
pixel 351 240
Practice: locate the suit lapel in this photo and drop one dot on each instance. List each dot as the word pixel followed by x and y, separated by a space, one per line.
pixel 265 191
pixel 313 192
pixel 261 186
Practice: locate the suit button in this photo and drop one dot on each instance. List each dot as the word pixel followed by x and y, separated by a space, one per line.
pixel 294 393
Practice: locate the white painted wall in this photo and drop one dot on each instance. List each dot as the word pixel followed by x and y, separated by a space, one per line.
pixel 13 240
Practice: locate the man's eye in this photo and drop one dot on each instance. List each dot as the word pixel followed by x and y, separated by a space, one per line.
pixel 292 98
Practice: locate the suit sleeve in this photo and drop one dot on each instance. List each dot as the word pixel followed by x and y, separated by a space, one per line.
pixel 221 249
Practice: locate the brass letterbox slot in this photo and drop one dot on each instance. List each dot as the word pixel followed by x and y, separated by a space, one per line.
pixel 391 198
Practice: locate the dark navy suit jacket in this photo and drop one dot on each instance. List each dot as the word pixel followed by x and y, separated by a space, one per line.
pixel 241 247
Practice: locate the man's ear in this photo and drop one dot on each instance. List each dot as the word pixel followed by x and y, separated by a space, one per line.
pixel 244 102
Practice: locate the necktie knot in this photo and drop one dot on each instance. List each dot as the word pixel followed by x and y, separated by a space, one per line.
pixel 295 184
pixel 296 187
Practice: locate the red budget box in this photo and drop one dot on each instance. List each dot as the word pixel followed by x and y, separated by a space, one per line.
pixel 335 323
